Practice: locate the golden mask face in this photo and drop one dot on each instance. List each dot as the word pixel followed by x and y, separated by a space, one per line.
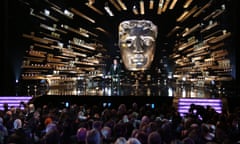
pixel 137 41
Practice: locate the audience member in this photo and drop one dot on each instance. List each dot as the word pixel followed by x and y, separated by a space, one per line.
pixel 120 140
pixel 93 137
pixel 133 141
pixel 3 132
pixel 154 138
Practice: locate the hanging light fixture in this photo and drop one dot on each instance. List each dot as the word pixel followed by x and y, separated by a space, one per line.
pixel 187 3
pixel 160 6
pixel 135 10
pixel 173 4
pixel 151 4
pixel 122 5
pixel 142 11
pixel 108 10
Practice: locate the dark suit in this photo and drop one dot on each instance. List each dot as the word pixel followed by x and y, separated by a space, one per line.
pixel 115 71
pixel 115 74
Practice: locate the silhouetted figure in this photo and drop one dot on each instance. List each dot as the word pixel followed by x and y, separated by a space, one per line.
pixel 93 137
pixel 114 71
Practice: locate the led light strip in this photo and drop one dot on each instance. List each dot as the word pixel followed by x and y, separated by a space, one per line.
pixel 17 98
pixel 184 104
pixel 199 100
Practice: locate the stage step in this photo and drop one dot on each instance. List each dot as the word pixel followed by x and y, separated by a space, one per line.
pixel 13 100
pixel 184 104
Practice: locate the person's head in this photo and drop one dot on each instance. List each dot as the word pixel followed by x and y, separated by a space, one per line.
pixel 106 132
pixel 1 120
pixel 137 41
pixel 132 140
pixel 115 61
pixel 120 140
pixel 81 134
pixel 142 136
pixel 47 121
pixel 17 123
pixel 93 137
pixel 36 115
pixel 97 125
pixel 154 138
pixel 31 108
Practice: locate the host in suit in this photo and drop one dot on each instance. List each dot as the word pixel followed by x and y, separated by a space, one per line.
pixel 115 70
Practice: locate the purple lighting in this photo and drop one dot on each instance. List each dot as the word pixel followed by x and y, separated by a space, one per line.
pixel 187 107
pixel 18 98
pixel 200 100
pixel 186 111
pixel 13 101
pixel 202 104
pixel 185 103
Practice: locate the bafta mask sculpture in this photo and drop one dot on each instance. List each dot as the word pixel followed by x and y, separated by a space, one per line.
pixel 137 41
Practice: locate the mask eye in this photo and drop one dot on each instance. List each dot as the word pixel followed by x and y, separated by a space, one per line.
pixel 128 42
pixel 148 41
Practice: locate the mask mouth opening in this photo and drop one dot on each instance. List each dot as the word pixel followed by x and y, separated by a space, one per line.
pixel 139 59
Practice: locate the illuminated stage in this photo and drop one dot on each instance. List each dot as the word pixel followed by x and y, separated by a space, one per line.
pixel 180 96
pixel 189 92
pixel 100 88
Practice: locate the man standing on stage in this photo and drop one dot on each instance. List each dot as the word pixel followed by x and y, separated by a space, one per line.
pixel 115 70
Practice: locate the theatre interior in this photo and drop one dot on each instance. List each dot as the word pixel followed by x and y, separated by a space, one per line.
pixel 60 53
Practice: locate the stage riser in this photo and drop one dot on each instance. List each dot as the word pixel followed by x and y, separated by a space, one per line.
pixel 85 100
pixel 99 100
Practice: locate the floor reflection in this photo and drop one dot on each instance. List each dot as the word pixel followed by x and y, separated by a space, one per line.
pixel 134 90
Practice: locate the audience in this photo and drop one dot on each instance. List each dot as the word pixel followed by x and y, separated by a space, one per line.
pixel 121 125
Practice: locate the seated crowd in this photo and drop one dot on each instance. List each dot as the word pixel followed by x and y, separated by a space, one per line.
pixel 94 124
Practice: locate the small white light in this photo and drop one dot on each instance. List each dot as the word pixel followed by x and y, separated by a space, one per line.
pixel 46 12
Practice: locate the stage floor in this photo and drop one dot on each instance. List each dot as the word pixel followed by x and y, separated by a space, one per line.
pixel 180 91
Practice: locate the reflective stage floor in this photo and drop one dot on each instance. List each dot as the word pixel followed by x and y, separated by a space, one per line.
pixel 141 93
pixel 180 91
